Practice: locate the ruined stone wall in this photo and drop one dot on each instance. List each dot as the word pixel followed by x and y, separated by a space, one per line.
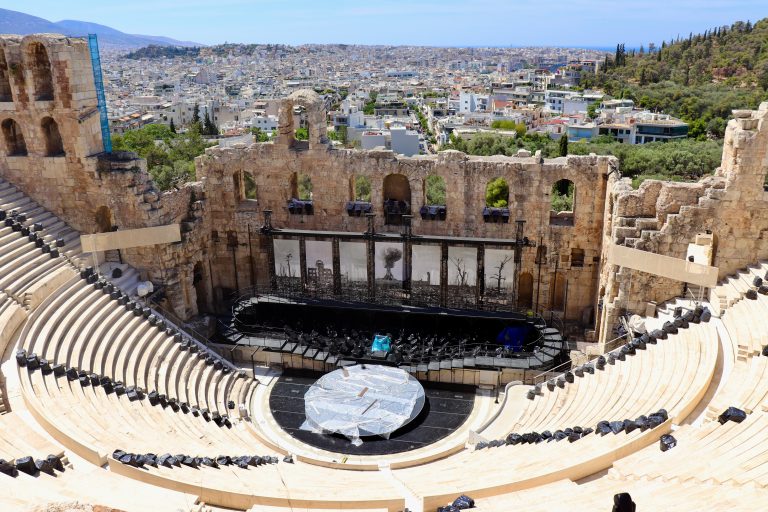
pixel 221 251
pixel 664 217
pixel 75 183
pixel 273 167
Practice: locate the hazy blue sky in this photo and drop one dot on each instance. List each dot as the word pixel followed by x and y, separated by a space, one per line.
pixel 424 22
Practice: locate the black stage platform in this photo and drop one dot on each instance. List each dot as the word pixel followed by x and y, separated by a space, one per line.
pixel 445 410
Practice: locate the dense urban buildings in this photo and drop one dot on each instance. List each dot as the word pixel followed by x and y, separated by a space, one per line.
pixel 331 311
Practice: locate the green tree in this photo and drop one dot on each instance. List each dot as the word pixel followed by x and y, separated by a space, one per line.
pixel 563 145
pixel 259 135
pixel 339 134
pixel 435 190
pixel 497 193
pixel 592 109
pixel 362 189
pixel 209 127
pixel 370 106
pixel 504 124
pixel 697 129
pixel 172 127
pixel 304 187
pixel 170 156
pixel 302 134
pixel 562 195
pixel 196 114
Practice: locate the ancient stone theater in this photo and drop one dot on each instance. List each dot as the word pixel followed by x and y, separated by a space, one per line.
pixel 270 338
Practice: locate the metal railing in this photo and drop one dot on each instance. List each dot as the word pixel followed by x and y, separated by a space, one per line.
pixel 555 372
pixel 202 341
pixel 264 333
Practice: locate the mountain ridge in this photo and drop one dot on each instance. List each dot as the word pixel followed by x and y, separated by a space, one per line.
pixel 16 22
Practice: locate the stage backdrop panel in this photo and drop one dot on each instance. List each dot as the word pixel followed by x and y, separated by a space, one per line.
pixel 287 258
pixel 426 264
pixel 389 261
pixel 499 270
pixel 462 266
pixel 319 259
pixel 352 261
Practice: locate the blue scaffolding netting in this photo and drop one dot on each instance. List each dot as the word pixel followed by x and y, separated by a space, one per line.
pixel 98 81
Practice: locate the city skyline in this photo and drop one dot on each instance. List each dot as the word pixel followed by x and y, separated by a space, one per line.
pixel 428 23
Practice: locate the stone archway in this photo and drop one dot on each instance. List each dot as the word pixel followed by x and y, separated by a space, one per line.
pixel 397 198
pixel 310 105
pixel 5 80
pixel 14 138
pixel 40 66
pixel 53 143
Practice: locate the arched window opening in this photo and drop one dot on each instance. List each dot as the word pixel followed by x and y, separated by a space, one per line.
pixel 360 194
pixel 41 72
pixel 14 139
pixel 304 189
pixel 397 198
pixel 301 201
pixel 434 207
pixel 434 191
pixel 103 219
pixel 496 201
pixel 237 183
pixel 250 190
pixel 361 189
pixel 301 123
pixel 5 80
pixel 525 290
pixel 53 143
pixel 563 202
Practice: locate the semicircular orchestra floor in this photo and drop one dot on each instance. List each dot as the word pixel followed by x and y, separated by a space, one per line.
pixel 446 409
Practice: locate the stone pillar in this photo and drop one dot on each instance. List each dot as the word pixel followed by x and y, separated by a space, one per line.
pixel 303 262
pixel 480 288
pixel 443 274
pixel 407 255
pixel 336 266
pixel 370 259
pixel 266 231
pixel 232 244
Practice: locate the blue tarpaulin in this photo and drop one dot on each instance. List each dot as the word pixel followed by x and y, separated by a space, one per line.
pixel 381 343
pixel 512 337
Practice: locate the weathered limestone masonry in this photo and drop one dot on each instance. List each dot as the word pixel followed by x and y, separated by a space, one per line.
pixel 52 149
pixel 664 217
pixel 274 168
pixel 63 167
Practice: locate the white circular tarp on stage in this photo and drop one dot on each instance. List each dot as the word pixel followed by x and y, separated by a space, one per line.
pixel 362 400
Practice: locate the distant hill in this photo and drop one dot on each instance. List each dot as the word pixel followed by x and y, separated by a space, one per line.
pixel 699 78
pixel 154 51
pixel 14 22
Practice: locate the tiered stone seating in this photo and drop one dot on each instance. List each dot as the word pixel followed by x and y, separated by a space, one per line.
pixel 597 495
pixel 747 385
pixel 11 199
pixel 733 288
pixel 730 454
pixel 674 374
pixel 81 327
pixel 624 390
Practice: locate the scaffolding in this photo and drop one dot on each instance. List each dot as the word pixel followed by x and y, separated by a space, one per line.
pixel 98 81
